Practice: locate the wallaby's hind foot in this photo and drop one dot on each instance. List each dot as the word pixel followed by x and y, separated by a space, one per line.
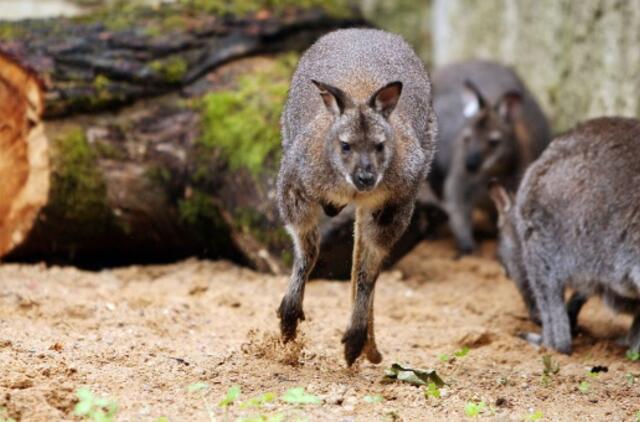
pixel 289 313
pixel 354 340
pixel 372 353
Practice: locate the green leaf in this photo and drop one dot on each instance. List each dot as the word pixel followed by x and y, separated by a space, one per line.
pixel 232 395
pixel 584 387
pixel 412 375
pixel 631 379
pixel 278 417
pixel 84 394
pixel 462 352
pixel 633 356
pixel 162 419
pixel 82 408
pixel 637 416
pixel 474 409
pixel 299 396
pixel 537 415
pixel 198 386
pixel 259 400
pixel 444 357
pixel 373 399
pixel 432 390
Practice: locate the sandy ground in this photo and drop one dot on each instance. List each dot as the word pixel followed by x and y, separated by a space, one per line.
pixel 142 335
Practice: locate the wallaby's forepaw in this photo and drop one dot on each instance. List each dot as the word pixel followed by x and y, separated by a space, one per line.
pixel 289 313
pixel 354 340
pixel 534 339
pixel 465 248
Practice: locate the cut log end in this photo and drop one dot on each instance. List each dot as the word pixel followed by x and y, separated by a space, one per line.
pixel 24 160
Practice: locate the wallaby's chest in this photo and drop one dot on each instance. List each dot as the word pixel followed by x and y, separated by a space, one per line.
pixel 370 200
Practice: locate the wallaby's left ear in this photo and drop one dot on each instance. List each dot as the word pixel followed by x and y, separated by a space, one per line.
pixel 386 98
pixel 500 197
pixel 335 99
pixel 509 106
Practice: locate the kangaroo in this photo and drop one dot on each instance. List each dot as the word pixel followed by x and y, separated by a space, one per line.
pixel 575 222
pixel 490 127
pixel 357 127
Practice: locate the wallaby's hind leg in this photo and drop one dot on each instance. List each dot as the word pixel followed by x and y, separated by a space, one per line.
pixel 549 292
pixel 306 244
pixel 376 233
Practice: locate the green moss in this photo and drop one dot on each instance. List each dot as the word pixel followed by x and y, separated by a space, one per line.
pixel 101 82
pixel 242 7
pixel 109 151
pixel 243 123
pixel 171 70
pixel 78 192
pixel 10 31
pixel 200 213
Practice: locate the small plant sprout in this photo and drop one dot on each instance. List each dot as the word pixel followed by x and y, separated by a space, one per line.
pixel 461 352
pixel 373 399
pixel 278 417
pixel 473 409
pixel 162 419
pixel 550 368
pixel 444 357
pixel 432 390
pixel 259 401
pixel 297 395
pixel 231 396
pixel 637 416
pixel 633 356
pixel 584 387
pixel 201 387
pixel 533 416
pixel 631 379
pixel 97 409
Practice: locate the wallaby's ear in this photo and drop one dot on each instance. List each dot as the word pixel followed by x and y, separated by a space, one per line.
pixel 500 197
pixel 335 99
pixel 385 99
pixel 509 105
pixel 472 99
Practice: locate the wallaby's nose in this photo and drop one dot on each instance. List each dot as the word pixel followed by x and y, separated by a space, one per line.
pixel 473 162
pixel 364 180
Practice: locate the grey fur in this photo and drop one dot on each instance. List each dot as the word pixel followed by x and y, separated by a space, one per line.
pixel 462 139
pixel 575 222
pixel 344 90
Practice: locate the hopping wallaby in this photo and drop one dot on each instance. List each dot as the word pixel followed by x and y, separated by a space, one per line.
pixel 575 222
pixel 358 127
pixel 490 127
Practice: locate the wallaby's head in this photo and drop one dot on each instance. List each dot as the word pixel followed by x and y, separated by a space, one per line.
pixel 360 141
pixel 488 137
pixel 509 247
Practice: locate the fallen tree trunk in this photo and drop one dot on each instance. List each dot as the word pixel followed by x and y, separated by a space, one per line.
pixel 191 172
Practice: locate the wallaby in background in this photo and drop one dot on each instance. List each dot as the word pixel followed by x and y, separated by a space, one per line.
pixel 575 222
pixel 358 127
pixel 490 126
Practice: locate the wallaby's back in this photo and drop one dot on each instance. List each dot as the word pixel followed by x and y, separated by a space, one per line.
pixel 359 61
pixel 493 80
pixel 583 191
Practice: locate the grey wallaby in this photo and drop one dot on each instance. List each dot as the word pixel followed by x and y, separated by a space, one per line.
pixel 575 222
pixel 358 127
pixel 490 126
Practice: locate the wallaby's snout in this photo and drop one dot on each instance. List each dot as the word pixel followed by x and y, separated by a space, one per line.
pixel 364 177
pixel 473 161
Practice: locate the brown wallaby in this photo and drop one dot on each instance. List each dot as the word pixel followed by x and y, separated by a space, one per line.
pixel 358 127
pixel 575 221
pixel 490 127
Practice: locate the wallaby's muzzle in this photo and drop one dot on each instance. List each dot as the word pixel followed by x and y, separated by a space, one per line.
pixel 364 180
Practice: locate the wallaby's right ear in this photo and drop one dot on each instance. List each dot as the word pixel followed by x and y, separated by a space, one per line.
pixel 500 197
pixel 335 99
pixel 472 99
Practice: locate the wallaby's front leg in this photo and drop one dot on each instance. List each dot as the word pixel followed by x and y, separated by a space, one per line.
pixel 376 233
pixel 634 334
pixel 306 244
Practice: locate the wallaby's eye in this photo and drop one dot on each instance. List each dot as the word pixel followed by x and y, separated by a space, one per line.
pixel 345 147
pixel 380 147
